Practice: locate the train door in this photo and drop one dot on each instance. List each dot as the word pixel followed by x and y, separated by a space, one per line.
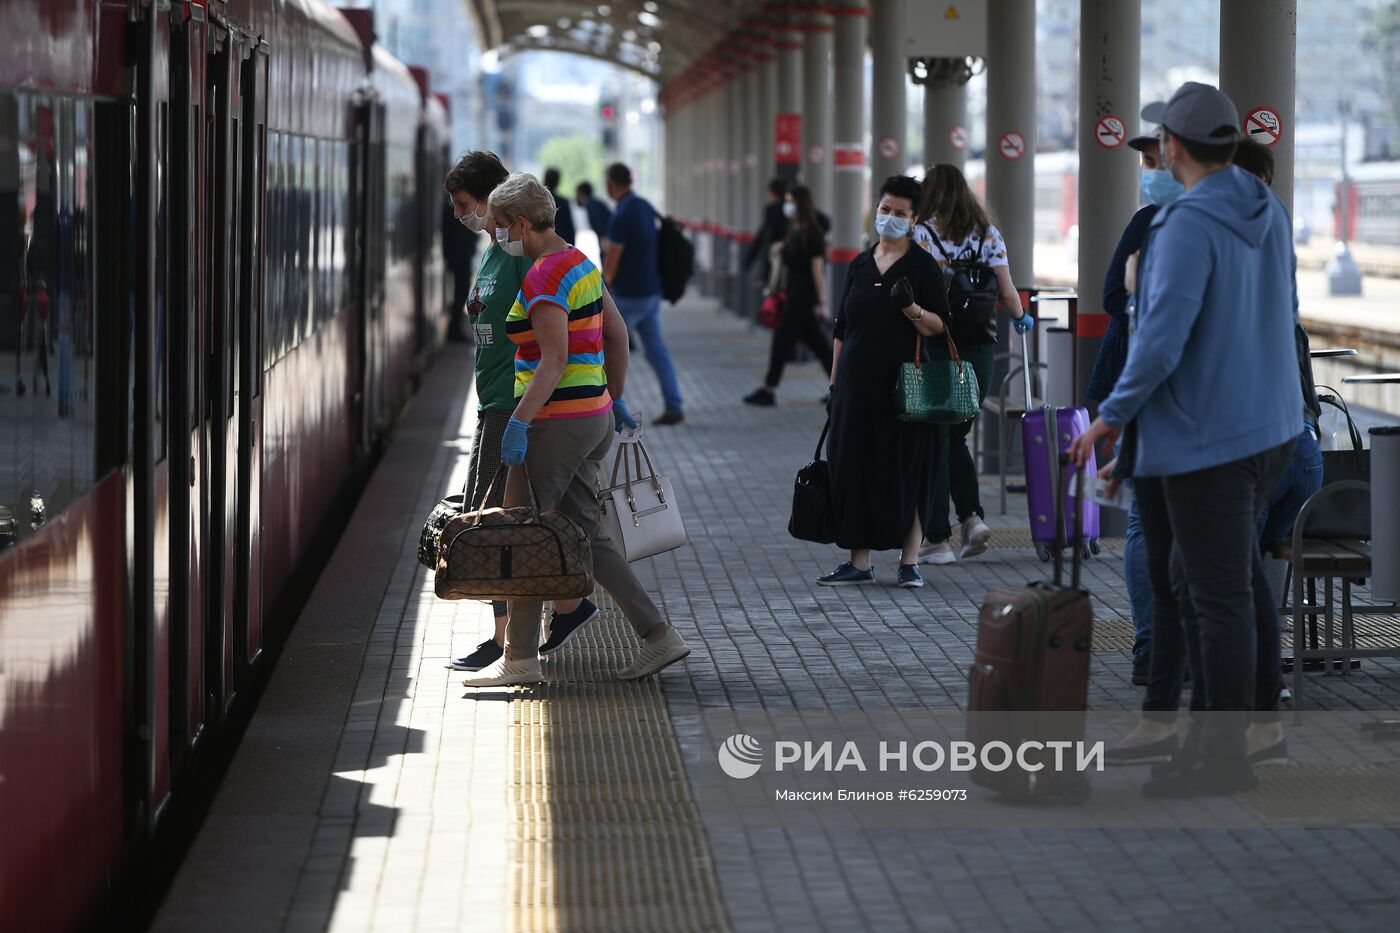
pixel 369 241
pixel 188 457
pixel 148 629
pixel 223 137
pixel 247 605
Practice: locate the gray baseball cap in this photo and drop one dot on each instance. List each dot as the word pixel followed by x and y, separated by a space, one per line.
pixel 1198 112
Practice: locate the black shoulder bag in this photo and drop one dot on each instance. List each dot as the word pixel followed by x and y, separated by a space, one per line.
pixel 811 499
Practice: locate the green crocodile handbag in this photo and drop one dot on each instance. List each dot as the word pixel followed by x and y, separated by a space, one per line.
pixel 936 391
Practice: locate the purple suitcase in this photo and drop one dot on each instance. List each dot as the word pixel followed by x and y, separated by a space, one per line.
pixel 1045 434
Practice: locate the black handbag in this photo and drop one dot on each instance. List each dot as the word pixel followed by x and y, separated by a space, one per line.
pixel 811 499
pixel 1345 514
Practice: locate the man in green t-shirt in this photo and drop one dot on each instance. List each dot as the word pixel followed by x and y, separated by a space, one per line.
pixel 493 292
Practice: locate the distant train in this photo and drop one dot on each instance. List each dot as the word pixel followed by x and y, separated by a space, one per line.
pixel 1372 193
pixel 219 231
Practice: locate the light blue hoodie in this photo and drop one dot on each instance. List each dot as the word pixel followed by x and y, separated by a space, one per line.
pixel 1212 369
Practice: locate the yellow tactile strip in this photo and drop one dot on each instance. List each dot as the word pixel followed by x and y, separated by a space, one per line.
pixel 1020 537
pixel 1322 794
pixel 1115 634
pixel 606 836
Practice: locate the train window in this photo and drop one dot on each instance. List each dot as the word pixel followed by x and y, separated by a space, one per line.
pixel 272 310
pixel 163 290
pixel 46 391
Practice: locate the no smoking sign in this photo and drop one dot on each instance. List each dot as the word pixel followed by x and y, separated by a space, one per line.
pixel 1110 132
pixel 957 136
pixel 1012 145
pixel 889 147
pixel 1263 126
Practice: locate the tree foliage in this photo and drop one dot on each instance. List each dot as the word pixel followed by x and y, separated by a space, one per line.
pixel 1384 40
pixel 578 157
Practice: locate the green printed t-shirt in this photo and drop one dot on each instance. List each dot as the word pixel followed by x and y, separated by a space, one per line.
pixel 496 285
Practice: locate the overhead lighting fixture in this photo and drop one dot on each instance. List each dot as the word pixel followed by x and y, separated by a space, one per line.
pixel 537 31
pixel 604 10
pixel 629 35
pixel 650 7
pixel 649 19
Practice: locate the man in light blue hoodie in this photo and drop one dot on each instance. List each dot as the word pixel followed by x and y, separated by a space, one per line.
pixel 1211 381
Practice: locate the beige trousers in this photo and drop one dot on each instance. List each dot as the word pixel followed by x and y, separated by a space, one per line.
pixel 563 459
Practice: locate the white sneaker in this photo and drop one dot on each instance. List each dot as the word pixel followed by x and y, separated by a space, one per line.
pixel 976 536
pixel 656 655
pixel 940 553
pixel 507 673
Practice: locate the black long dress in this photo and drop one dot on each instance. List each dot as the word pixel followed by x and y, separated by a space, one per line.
pixel 882 469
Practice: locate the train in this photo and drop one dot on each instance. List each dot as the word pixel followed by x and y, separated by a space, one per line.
pixel 223 275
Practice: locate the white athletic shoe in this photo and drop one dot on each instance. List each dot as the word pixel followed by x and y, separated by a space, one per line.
pixel 656 655
pixel 940 553
pixel 976 536
pixel 507 673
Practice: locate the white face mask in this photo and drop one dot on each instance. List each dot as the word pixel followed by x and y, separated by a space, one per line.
pixel 789 209
pixel 474 222
pixel 512 247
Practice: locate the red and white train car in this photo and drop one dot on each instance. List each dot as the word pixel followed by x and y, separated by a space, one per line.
pixel 217 286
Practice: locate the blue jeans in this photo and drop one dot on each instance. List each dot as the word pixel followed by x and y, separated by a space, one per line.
pixel 643 315
pixel 1300 481
pixel 1139 585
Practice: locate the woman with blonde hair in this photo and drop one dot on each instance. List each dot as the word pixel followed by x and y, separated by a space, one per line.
pixel 953 227
pixel 570 368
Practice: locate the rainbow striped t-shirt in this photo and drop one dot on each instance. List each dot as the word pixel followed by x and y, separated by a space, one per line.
pixel 568 280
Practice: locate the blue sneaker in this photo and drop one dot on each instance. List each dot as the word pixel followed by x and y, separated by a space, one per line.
pixel 562 628
pixel 847 575
pixel 909 576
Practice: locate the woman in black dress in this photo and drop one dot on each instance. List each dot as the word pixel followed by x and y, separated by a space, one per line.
pixel 883 469
pixel 804 317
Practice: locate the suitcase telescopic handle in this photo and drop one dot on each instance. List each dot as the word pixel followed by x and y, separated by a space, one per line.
pixel 1077 544
pixel 1026 367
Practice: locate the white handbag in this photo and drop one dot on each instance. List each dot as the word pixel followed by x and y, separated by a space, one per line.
pixel 639 513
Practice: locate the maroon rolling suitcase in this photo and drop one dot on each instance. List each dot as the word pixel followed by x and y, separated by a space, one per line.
pixel 1030 675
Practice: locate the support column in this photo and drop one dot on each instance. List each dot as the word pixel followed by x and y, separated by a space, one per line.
pixel 756 170
pixel 787 126
pixel 767 100
pixel 1110 57
pixel 1011 131
pixel 733 192
pixel 848 202
pixel 945 111
pixel 816 103
pixel 888 122
pixel 1258 71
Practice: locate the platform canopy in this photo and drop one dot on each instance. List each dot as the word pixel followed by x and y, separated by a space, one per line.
pixel 658 38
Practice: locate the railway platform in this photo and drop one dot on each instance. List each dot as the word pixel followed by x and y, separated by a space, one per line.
pixel 373 792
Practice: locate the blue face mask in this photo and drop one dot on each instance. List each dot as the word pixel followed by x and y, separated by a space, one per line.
pixel 891 227
pixel 1159 187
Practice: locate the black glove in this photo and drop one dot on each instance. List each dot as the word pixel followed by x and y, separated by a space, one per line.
pixel 902 293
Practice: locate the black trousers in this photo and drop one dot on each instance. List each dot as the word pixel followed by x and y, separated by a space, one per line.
pixel 1207 521
pixel 799 322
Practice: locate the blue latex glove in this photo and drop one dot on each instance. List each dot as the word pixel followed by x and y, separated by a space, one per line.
pixel 622 418
pixel 514 442
pixel 1023 324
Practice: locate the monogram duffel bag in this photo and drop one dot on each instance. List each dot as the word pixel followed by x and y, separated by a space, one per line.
pixel 523 552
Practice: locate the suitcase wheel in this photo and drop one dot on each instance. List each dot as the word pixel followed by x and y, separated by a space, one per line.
pixel 1042 550
pixel 1087 550
pixel 1094 546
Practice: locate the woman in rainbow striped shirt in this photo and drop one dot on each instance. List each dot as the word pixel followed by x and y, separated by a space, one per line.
pixel 570 367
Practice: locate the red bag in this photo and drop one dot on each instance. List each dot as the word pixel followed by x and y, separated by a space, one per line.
pixel 771 311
